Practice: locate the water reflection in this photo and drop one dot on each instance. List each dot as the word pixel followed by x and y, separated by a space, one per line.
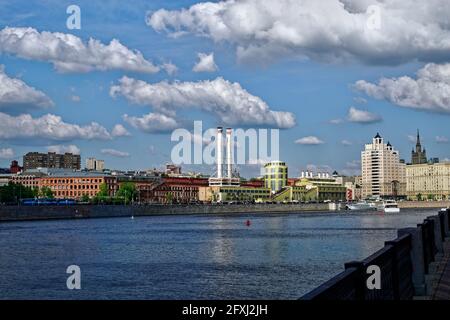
pixel 222 246
pixel 279 256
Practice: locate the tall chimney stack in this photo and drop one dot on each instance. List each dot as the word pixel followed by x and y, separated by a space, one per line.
pixel 229 165
pixel 219 149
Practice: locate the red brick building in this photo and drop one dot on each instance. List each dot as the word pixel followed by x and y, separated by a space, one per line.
pixel 14 168
pixel 180 189
pixel 77 184
pixel 253 184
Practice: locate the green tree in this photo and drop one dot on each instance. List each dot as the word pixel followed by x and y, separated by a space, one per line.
pixel 46 192
pixel 169 197
pixel 419 197
pixel 103 190
pixel 102 195
pixel 85 198
pixel 127 191
pixel 12 193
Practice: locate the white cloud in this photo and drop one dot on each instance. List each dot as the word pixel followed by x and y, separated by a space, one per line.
pixel 336 121
pixel 69 53
pixel 346 143
pixel 16 94
pixel 309 140
pixel 48 127
pixel 442 139
pixel 75 98
pixel 362 116
pixel 353 164
pixel 61 149
pixel 360 100
pixel 321 30
pixel 316 168
pixel 206 63
pixel 352 168
pixel 115 153
pixel 412 138
pixel 348 172
pixel 170 68
pixel 6 153
pixel 120 131
pixel 228 101
pixel 429 91
pixel 152 150
pixel 152 122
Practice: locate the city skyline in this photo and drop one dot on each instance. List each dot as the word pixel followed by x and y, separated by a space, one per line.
pixel 328 100
pixel 85 162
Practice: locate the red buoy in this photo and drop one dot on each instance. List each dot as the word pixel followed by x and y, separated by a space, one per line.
pixel 247 223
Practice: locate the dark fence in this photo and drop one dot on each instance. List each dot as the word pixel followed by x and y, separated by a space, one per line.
pixel 442 222
pixel 395 261
pixel 429 247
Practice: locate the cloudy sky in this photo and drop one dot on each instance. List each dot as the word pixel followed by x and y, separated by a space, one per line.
pixel 329 74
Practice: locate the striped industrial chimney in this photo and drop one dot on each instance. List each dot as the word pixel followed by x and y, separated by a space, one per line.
pixel 219 149
pixel 229 159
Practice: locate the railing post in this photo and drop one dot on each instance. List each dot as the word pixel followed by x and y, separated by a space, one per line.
pixel 446 222
pixel 417 259
pixel 437 236
pixel 360 284
pixel 442 219
pixel 395 275
pixel 429 243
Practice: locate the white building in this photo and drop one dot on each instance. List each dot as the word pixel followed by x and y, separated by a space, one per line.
pixel 383 174
pixel 428 181
pixel 94 164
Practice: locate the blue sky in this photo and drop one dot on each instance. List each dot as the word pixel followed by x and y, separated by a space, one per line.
pixel 314 90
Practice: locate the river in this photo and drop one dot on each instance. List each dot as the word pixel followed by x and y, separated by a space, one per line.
pixel 278 256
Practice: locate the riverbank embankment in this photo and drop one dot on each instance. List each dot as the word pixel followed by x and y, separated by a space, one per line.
pixel 424 204
pixel 18 213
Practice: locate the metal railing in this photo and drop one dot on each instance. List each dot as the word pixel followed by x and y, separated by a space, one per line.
pixel 403 263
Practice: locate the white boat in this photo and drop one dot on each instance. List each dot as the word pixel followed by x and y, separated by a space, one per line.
pixel 361 205
pixel 390 206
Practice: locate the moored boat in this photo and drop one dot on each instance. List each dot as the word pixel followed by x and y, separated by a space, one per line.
pixel 389 206
pixel 361 205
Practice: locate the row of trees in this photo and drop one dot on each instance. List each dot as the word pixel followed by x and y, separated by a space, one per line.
pixel 126 194
pixel 12 193
pixel 422 197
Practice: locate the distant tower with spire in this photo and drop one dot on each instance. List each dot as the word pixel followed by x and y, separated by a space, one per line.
pixel 418 156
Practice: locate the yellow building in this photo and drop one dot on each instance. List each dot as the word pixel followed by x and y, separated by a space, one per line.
pixel 296 193
pixel 327 189
pixel 275 175
pixel 428 181
pixel 232 193
pixel 303 190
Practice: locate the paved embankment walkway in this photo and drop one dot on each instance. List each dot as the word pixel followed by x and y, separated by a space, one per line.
pixel 424 204
pixel 442 289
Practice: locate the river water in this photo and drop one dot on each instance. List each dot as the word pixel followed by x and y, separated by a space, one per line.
pixel 279 256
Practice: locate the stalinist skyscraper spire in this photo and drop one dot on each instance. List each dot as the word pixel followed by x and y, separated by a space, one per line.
pixel 418 156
